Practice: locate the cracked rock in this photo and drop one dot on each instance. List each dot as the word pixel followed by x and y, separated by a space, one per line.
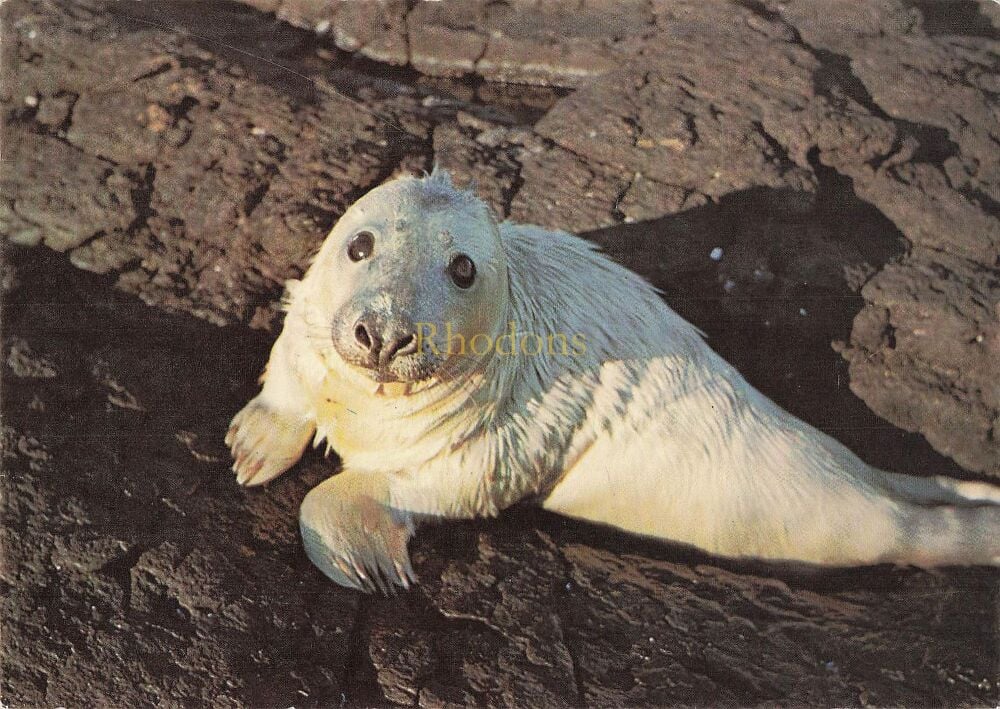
pixel 176 162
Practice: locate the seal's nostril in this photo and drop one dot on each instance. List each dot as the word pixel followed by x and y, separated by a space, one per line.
pixel 362 336
pixel 403 346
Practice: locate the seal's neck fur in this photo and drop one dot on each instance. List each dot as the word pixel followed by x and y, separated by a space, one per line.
pixel 528 415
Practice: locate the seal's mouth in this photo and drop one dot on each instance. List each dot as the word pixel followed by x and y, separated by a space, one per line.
pixel 385 376
pixel 411 370
pixel 382 376
pixel 386 383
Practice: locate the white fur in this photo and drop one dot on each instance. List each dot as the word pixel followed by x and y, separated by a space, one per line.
pixel 648 430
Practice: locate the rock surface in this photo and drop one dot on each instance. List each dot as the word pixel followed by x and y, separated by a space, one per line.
pixel 137 573
pixel 550 43
pixel 788 173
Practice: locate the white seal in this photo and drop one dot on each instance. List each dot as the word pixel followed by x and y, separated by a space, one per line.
pixel 458 366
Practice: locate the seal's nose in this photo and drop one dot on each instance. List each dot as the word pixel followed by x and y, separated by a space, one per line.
pixel 383 344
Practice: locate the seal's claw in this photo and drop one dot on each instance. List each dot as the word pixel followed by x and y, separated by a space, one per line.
pixel 335 569
pixel 265 442
pixel 402 580
pixel 249 469
pixel 340 523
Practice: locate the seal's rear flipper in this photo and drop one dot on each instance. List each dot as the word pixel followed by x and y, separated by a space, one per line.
pixel 945 521
pixel 939 490
pixel 949 535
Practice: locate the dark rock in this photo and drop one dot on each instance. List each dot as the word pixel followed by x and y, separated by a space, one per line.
pixel 939 184
pixel 787 173
pixel 84 196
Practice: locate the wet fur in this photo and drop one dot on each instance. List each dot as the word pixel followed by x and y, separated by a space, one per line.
pixel 648 430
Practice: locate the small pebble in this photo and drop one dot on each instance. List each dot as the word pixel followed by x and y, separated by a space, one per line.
pixel 31 101
pixel 716 254
pixel 729 286
pixel 802 312
pixel 258 131
pixel 32 34
pixel 322 26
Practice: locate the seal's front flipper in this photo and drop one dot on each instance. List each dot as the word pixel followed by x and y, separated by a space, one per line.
pixel 351 534
pixel 265 441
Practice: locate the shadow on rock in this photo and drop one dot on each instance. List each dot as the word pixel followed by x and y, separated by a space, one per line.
pixel 134 548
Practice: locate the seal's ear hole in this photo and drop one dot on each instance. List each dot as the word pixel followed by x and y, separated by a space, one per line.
pixel 462 271
pixel 361 246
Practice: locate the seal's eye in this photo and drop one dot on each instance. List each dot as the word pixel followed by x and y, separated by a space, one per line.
pixel 462 271
pixel 361 246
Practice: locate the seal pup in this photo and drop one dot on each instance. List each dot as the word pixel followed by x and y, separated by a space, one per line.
pixel 630 420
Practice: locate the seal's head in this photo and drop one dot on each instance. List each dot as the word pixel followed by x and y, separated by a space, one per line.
pixel 410 264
